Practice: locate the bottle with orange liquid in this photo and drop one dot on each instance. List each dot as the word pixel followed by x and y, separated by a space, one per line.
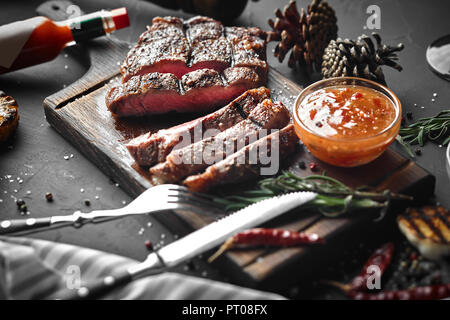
pixel 39 39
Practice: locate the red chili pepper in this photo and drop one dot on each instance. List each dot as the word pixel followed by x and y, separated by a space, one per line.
pixel 313 166
pixel 419 293
pixel 267 237
pixel 381 258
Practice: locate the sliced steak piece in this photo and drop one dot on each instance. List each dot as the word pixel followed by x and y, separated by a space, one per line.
pixel 129 98
pixel 198 91
pixel 149 148
pixel 211 54
pixel 249 48
pixel 203 28
pixel 238 168
pixel 172 46
pixel 162 48
pixel 193 158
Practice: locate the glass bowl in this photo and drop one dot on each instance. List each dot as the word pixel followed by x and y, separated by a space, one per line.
pixel 448 160
pixel 347 151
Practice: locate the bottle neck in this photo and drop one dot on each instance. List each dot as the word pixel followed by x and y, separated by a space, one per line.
pixel 90 26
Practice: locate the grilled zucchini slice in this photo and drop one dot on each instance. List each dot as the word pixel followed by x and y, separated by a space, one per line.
pixel 428 229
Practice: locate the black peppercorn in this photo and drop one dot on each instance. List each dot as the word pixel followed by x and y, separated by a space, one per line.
pixel 49 196
pixel 20 202
pixel 87 202
pixel 418 152
pixel 409 115
pixel 302 165
pixel 23 208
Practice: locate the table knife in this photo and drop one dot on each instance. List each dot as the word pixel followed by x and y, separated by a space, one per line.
pixel 193 244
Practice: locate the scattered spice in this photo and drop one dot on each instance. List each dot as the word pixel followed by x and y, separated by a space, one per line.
pixel 149 245
pixel 302 165
pixel 23 208
pixel 87 202
pixel 49 196
pixel 403 121
pixel 267 237
pixel 20 202
pixel 440 291
pixel 313 166
pixel 409 115
pixel 418 152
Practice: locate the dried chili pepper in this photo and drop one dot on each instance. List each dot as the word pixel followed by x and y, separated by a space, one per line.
pixel 381 258
pixel 419 293
pixel 267 237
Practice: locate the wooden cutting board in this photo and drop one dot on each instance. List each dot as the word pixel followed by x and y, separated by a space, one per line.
pixel 79 114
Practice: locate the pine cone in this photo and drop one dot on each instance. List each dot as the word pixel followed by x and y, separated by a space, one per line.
pixel 359 58
pixel 307 34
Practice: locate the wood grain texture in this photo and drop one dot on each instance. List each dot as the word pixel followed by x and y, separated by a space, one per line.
pixel 79 114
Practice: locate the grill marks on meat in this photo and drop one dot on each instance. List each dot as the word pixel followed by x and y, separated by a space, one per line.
pixel 149 148
pixel 193 158
pixel 238 167
pixel 172 46
pixel 198 91
pixel 208 66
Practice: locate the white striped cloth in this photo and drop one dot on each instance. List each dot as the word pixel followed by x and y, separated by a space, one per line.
pixel 37 269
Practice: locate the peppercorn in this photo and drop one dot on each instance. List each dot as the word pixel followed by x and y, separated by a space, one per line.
pixel 403 121
pixel 409 115
pixel 149 245
pixel 87 202
pixel 313 166
pixel 302 165
pixel 49 196
pixel 20 202
pixel 418 152
pixel 23 208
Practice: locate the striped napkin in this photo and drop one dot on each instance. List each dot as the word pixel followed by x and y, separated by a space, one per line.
pixel 38 269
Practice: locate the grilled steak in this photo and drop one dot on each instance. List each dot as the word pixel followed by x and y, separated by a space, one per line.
pixel 237 167
pixel 427 228
pixel 193 158
pixel 197 91
pixel 173 46
pixel 149 148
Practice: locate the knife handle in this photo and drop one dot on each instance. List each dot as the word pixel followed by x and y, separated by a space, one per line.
pixel 98 288
pixel 17 225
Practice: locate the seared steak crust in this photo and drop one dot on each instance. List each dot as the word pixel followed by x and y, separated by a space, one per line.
pixel 193 158
pixel 173 46
pixel 233 170
pixel 197 91
pixel 149 148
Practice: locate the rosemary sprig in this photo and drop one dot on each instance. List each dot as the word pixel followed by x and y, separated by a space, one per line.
pixel 435 129
pixel 334 198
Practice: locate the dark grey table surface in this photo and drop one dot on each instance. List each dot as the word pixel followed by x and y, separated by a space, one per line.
pixel 35 161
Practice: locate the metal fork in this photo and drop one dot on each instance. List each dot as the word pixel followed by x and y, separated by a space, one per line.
pixel 156 199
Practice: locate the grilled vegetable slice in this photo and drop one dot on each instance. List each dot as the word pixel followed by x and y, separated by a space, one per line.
pixel 428 229
pixel 9 116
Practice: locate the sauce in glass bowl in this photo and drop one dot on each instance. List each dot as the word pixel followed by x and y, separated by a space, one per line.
pixel 347 121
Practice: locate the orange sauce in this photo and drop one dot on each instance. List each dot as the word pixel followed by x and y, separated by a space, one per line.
pixel 344 111
pixel 347 125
